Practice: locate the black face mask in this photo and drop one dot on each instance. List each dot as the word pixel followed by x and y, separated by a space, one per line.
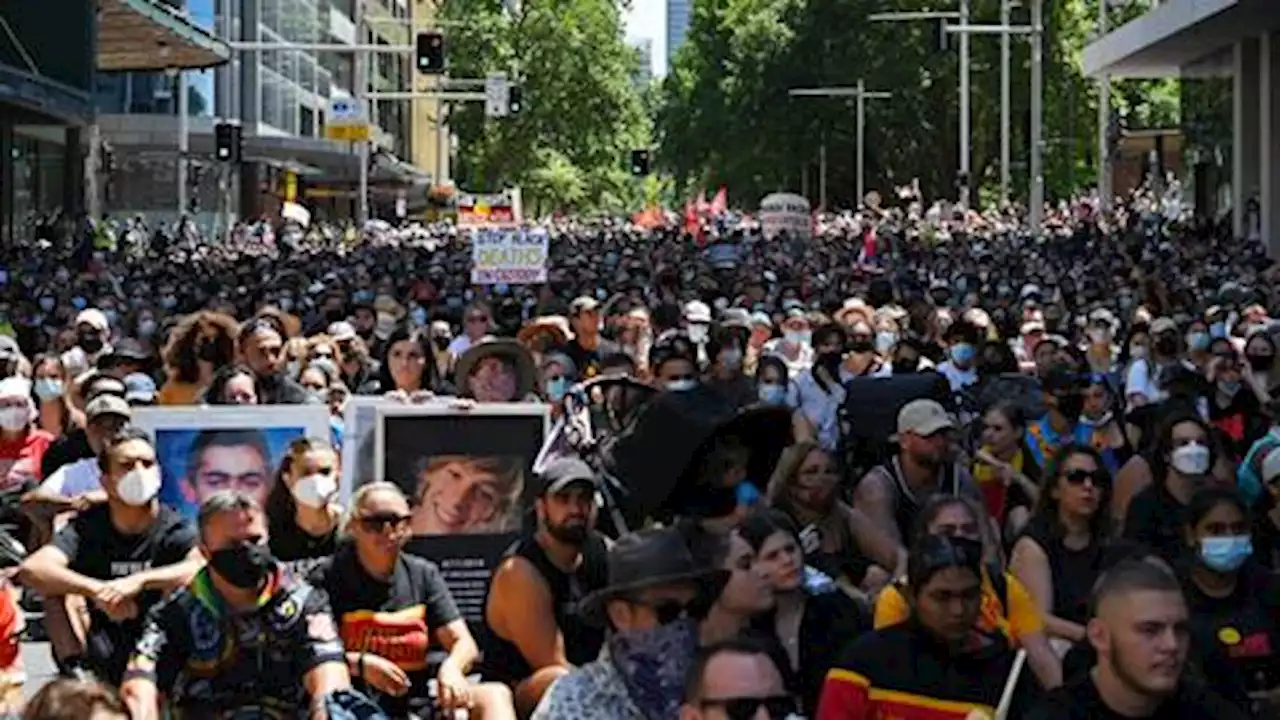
pixel 861 346
pixel 1166 346
pixel 441 343
pixel 208 351
pixel 904 366
pixel 90 342
pixel 1261 363
pixel 244 565
pixel 1070 405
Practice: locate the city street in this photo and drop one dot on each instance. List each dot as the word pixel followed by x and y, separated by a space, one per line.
pixel 40 668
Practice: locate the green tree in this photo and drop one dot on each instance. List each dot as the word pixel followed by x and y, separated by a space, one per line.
pixel 581 113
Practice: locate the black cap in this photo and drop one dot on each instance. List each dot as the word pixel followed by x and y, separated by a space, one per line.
pixel 563 472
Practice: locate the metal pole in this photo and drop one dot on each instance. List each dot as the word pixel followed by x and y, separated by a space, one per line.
pixel 861 141
pixel 1006 62
pixel 362 80
pixel 184 140
pixel 964 107
pixel 1037 115
pixel 822 174
pixel 1104 120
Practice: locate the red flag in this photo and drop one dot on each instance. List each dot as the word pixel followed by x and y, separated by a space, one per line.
pixel 720 203
pixel 703 205
pixel 692 222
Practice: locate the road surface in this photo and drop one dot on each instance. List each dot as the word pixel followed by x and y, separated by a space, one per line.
pixel 40 667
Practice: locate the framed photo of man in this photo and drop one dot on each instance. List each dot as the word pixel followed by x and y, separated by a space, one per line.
pixel 204 450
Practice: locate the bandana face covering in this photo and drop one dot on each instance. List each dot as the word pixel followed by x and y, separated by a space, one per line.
pixel 653 664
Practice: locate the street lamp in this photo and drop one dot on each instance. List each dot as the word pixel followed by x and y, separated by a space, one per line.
pixel 861 95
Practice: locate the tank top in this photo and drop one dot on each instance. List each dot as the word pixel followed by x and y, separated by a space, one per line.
pixel 906 505
pixel 582 640
pixel 1074 572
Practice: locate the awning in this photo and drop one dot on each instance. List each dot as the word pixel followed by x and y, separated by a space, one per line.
pixel 144 35
pixel 1176 35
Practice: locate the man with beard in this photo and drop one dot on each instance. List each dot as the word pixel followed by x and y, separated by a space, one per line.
pixel 1140 632
pixel 262 346
pixel 532 608
pixel 893 493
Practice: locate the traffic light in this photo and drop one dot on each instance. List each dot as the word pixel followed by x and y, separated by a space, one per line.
pixel 228 142
pixel 944 39
pixel 640 163
pixel 430 53
pixel 515 100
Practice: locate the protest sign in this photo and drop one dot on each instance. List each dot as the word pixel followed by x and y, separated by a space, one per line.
pixel 509 255
pixel 785 212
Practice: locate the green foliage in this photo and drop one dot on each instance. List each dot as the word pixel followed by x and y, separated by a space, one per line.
pixel 726 116
pixel 581 114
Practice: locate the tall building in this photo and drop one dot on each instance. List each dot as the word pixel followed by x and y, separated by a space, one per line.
pixel 644 66
pixel 679 15
pixel 51 55
pixel 280 97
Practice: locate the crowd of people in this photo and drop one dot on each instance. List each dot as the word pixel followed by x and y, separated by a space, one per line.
pixel 1092 493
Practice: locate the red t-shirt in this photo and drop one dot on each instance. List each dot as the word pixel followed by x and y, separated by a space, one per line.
pixel 20 458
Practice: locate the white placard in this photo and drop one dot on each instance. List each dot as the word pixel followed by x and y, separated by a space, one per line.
pixel 510 255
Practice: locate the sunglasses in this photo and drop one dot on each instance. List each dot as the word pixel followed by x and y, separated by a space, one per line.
pixel 745 708
pixel 377 522
pixel 666 611
pixel 1096 478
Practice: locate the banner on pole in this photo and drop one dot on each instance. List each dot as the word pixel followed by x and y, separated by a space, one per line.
pixel 510 255
pixel 499 208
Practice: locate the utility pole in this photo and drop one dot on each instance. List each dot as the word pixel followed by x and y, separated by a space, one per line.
pixel 179 80
pixel 1105 192
pixel 965 133
pixel 1037 116
pixel 861 95
pixel 1006 70
pixel 363 78
pixel 1036 31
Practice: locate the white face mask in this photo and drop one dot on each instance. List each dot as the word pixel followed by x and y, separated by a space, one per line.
pixel 1191 459
pixel 138 486
pixel 315 490
pixel 797 337
pixel 14 418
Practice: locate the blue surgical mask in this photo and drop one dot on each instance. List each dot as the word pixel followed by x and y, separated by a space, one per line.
pixel 682 385
pixel 963 353
pixel 1198 341
pixel 1225 554
pixel 47 303
pixel 1229 387
pixel 418 315
pixel 771 393
pixel 556 388
pixel 653 664
pixel 798 337
pixel 48 388
pixel 79 303
pixel 1218 330
pixel 885 341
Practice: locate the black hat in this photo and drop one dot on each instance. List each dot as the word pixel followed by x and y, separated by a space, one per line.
pixel 563 472
pixel 648 559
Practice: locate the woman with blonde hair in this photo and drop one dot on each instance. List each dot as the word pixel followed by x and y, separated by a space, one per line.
pixel 838 539
pixel 393 608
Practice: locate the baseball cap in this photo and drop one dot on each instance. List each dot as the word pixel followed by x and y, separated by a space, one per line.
pixel 583 304
pixel 108 405
pixel 139 388
pixel 341 331
pixel 696 311
pixel 1163 325
pixel 924 417
pixel 563 472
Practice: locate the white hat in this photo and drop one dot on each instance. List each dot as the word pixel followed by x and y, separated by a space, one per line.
pixel 696 311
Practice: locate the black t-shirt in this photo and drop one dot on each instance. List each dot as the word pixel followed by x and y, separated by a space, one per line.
pixel 1155 519
pixel 1236 639
pixel 588 361
pixel 1073 571
pixel 394 619
pixel 96 549
pixel 1079 700
pixel 65 450
pixel 299 550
